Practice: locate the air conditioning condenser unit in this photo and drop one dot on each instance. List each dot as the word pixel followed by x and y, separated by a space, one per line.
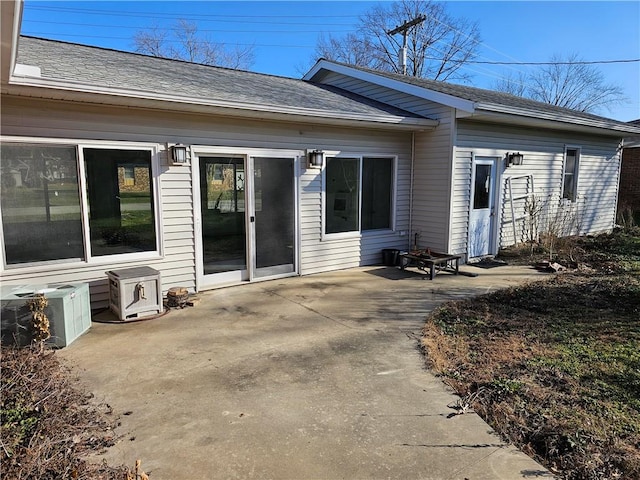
pixel 68 311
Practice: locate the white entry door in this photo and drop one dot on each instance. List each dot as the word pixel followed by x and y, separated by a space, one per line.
pixel 482 214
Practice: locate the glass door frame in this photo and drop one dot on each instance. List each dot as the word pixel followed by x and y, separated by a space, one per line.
pixel 203 281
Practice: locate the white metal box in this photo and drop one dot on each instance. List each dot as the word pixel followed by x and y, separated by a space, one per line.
pixel 135 293
pixel 68 311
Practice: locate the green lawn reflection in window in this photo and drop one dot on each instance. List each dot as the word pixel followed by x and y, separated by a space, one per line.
pixel 121 216
pixel 41 215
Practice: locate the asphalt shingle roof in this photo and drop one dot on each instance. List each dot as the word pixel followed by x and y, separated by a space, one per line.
pixel 108 68
pixel 485 97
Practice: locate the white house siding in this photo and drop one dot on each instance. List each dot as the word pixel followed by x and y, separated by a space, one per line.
pixel 58 120
pixel 321 255
pixel 432 183
pixel 543 150
pixel 433 152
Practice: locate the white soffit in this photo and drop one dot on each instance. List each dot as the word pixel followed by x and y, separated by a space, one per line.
pixel 415 90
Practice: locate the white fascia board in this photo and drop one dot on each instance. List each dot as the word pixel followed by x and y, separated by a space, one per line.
pixel 551 120
pixel 70 91
pixel 420 92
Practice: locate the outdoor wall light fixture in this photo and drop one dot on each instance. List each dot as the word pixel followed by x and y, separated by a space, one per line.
pixel 316 158
pixel 514 159
pixel 179 154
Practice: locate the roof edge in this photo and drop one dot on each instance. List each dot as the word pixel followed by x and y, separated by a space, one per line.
pixel 566 119
pixel 470 109
pixel 421 92
pixel 70 91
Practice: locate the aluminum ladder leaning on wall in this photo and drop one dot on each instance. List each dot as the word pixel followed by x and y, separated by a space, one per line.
pixel 529 190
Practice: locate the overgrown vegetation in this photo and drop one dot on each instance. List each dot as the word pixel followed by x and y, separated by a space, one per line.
pixel 48 426
pixel 618 252
pixel 554 366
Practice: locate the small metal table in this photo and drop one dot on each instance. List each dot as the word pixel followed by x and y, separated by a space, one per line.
pixel 422 259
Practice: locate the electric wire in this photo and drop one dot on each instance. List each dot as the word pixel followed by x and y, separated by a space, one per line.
pixel 276 19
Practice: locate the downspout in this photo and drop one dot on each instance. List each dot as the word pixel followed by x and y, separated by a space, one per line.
pixel 619 153
pixel 453 140
pixel 413 159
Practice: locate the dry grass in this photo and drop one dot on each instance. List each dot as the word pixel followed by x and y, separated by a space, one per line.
pixel 48 425
pixel 555 365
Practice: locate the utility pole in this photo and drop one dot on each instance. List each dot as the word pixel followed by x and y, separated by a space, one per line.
pixel 404 28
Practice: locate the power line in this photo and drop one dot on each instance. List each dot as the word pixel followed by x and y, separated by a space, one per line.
pixel 243 19
pixel 577 62
pixel 105 25
pixel 112 37
pixel 466 62
pixel 129 27
pixel 174 15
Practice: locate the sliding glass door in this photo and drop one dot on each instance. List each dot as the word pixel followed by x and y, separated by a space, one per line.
pixel 223 212
pixel 247 218
pixel 274 216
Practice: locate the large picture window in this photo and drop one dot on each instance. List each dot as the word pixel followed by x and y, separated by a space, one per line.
pixel 358 194
pixel 121 218
pixel 41 215
pixel 42 196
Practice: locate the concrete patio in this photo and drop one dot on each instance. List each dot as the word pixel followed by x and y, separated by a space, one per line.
pixel 307 377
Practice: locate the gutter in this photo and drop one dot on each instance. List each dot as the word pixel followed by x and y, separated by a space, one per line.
pixel 413 161
pixel 520 116
pixel 71 91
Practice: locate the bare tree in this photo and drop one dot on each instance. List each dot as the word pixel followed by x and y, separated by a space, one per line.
pixel 566 82
pixel 184 42
pixel 515 84
pixel 437 47
pixel 572 84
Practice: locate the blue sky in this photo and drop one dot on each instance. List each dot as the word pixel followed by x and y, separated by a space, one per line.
pixel 284 34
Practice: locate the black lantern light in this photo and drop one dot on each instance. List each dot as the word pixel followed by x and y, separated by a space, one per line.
pixel 514 159
pixel 179 154
pixel 316 158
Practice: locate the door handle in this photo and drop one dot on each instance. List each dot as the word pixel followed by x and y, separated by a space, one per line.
pixel 252 219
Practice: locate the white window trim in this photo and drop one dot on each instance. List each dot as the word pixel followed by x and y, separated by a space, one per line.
pixel 355 234
pixel 576 171
pixel 106 260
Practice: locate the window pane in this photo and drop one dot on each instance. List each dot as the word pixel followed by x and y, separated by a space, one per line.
pixel 222 191
pixel 570 172
pixel 377 179
pixel 569 186
pixel 41 216
pixel 121 217
pixel 481 187
pixel 342 175
pixel 275 219
pixel 570 165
